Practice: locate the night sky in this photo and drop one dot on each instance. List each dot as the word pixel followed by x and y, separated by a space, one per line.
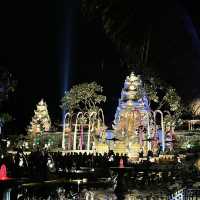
pixel 39 39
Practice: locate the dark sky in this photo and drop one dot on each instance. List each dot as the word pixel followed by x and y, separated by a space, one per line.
pixel 39 39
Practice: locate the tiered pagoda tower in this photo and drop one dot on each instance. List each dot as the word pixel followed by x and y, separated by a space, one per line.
pixel 40 121
pixel 131 123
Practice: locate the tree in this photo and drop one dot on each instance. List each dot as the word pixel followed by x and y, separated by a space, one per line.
pixel 4 118
pixel 128 24
pixel 40 121
pixel 7 86
pixel 165 98
pixel 85 97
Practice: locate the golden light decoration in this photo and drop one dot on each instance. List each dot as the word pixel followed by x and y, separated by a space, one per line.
pixel 195 107
pixel 197 164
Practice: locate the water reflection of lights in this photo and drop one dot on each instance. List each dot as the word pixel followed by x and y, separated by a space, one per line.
pixel 64 193
pixel 97 194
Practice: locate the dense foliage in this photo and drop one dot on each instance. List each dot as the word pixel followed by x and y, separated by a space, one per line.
pixel 128 24
pixel 7 84
pixel 85 97
pixel 166 99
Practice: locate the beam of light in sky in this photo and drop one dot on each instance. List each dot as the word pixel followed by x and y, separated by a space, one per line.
pixel 67 43
pixel 65 51
pixel 193 50
pixel 190 29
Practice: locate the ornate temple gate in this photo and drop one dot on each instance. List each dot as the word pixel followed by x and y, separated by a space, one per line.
pixel 81 136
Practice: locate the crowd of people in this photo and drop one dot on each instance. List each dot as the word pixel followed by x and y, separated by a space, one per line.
pixel 38 163
pixel 42 163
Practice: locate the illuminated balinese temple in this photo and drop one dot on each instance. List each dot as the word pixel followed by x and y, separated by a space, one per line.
pixel 132 119
pixel 134 129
